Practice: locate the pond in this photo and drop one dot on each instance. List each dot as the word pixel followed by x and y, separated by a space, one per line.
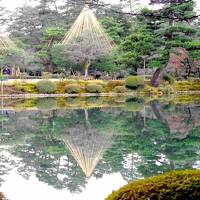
pixel 83 149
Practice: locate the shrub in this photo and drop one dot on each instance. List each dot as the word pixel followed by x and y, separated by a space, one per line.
pixel 134 104
pixel 134 82
pixel 168 78
pixel 120 89
pixel 73 88
pixel 94 88
pixel 114 83
pixel 46 103
pixel 175 185
pixel 46 87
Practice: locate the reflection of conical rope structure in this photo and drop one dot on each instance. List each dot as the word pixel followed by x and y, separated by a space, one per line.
pixel 88 24
pixel 6 43
pixel 87 146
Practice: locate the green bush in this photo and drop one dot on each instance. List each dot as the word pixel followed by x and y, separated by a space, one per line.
pixel 120 89
pixel 46 87
pixel 168 78
pixel 46 103
pixel 175 185
pixel 114 83
pixel 134 82
pixel 94 88
pixel 73 88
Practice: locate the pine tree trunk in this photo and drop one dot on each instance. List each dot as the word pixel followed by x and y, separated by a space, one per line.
pixel 87 65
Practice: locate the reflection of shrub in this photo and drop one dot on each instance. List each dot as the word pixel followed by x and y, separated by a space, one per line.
pixel 120 89
pixel 120 99
pixel 134 104
pixel 91 101
pixel 46 87
pixel 74 101
pixel 168 78
pixel 114 83
pixel 134 82
pixel 46 103
pixel 73 88
pixel 176 185
pixel 94 88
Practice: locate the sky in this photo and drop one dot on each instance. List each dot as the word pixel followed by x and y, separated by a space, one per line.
pixel 12 4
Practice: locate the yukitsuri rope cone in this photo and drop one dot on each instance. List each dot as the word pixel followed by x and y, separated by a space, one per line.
pixel 86 146
pixel 88 23
pixel 86 40
pixel 6 43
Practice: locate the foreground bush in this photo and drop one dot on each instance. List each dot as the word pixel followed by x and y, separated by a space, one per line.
pixel 94 88
pixel 134 82
pixel 73 88
pixel 120 89
pixel 176 185
pixel 46 87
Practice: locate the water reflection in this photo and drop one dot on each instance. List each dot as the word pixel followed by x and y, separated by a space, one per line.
pixel 65 147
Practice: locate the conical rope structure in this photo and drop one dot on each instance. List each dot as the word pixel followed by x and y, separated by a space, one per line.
pixel 86 146
pixel 87 41
pixel 6 43
pixel 87 23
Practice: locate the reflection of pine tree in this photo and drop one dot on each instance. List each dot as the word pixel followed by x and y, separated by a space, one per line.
pixel 87 146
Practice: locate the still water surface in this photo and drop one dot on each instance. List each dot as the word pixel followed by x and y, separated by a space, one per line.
pixel 49 152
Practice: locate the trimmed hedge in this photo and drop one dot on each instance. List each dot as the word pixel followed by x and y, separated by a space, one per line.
pixel 120 89
pixel 175 185
pixel 94 88
pixel 46 87
pixel 134 82
pixel 73 88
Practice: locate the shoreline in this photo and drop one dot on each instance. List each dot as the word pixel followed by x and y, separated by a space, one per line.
pixel 28 95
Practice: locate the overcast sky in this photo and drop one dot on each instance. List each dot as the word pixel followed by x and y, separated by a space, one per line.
pixel 12 4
